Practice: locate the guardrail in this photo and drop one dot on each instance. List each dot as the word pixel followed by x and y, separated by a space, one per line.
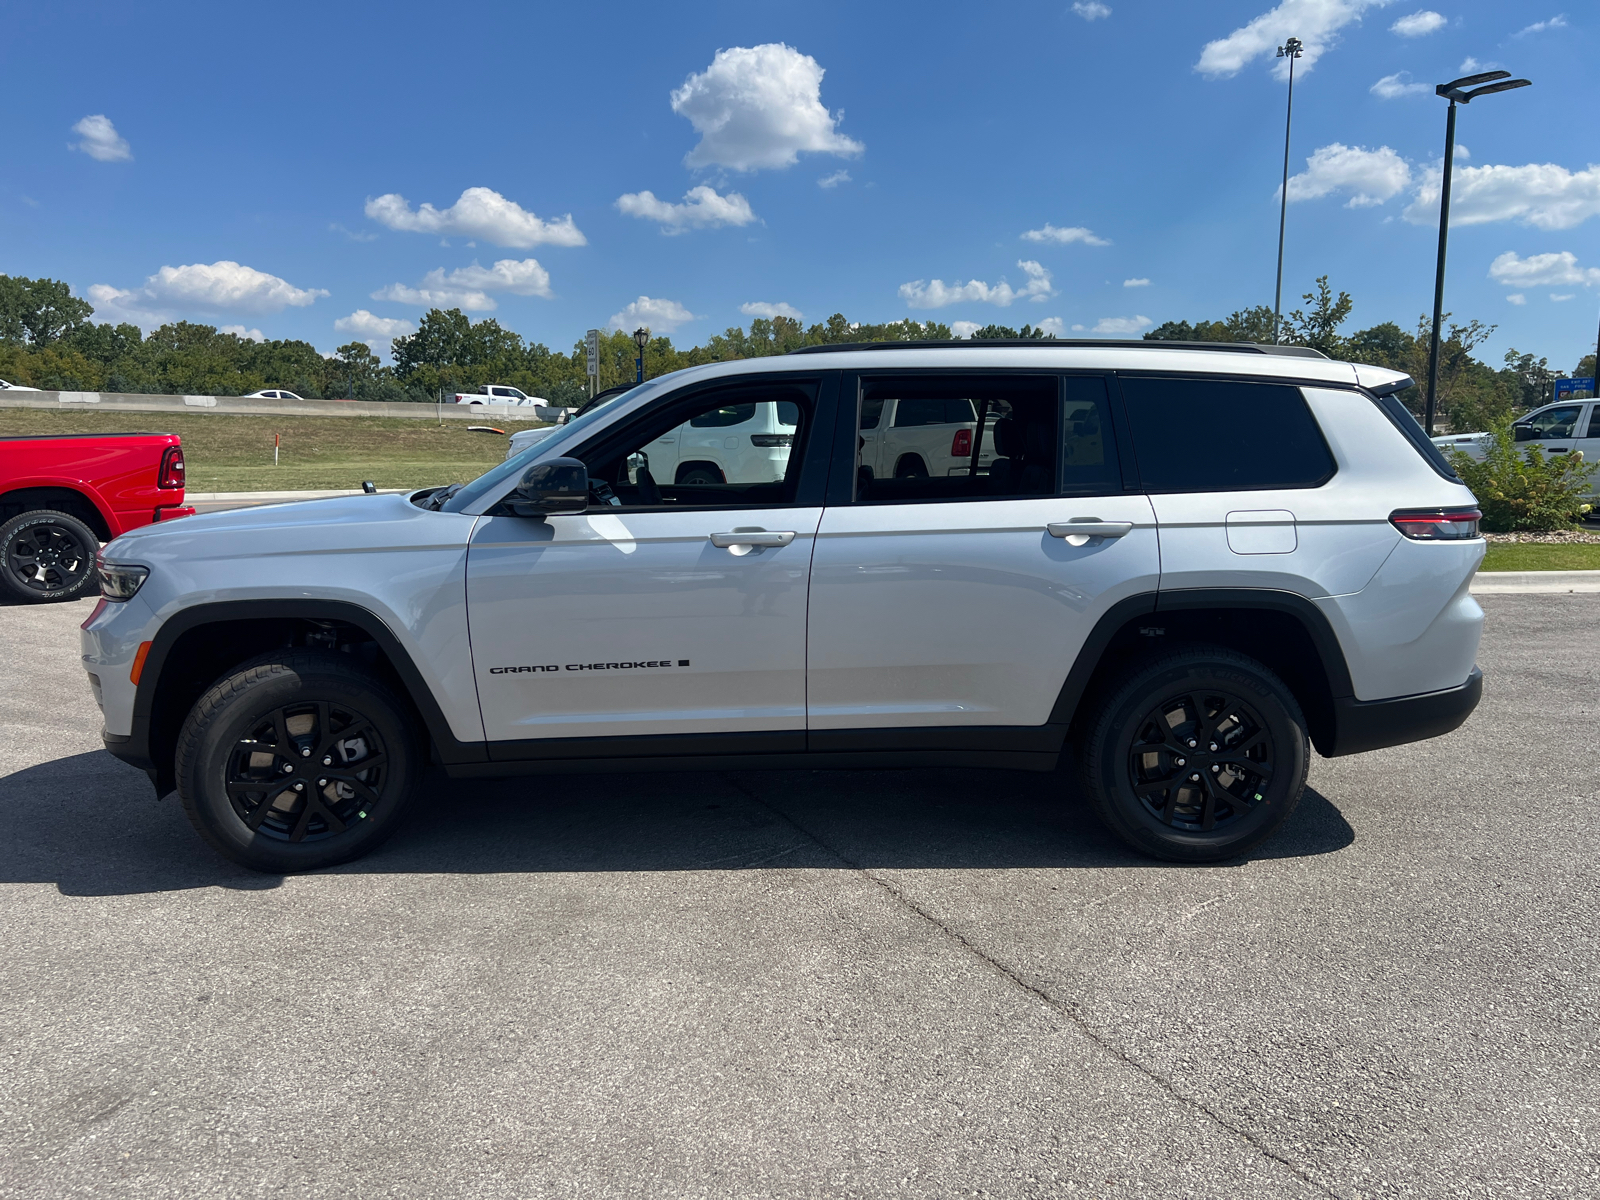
pixel 133 402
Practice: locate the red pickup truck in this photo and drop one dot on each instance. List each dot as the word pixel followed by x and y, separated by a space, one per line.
pixel 61 495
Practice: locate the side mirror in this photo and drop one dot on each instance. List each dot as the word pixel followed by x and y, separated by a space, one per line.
pixel 1524 433
pixel 551 488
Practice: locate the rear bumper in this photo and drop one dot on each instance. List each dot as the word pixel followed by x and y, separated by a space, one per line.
pixel 1362 725
pixel 173 513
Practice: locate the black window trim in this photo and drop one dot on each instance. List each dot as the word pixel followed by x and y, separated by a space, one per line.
pixel 1229 377
pixel 841 480
pixel 811 487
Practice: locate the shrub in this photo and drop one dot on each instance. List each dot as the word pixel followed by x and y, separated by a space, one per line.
pixel 1526 490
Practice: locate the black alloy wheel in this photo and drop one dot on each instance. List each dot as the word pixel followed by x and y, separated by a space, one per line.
pixel 1196 757
pixel 48 556
pixel 1201 760
pixel 298 759
pixel 306 772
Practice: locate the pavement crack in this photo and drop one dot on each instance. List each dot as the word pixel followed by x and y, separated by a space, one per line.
pixel 1058 1006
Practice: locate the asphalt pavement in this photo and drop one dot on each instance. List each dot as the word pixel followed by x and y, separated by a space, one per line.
pixel 816 984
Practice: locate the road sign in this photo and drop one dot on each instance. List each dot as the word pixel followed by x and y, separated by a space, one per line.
pixel 592 341
pixel 1565 387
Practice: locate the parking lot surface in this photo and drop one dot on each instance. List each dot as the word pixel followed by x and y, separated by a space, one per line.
pixel 818 984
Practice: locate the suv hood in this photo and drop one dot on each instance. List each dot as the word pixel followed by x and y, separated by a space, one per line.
pixel 305 526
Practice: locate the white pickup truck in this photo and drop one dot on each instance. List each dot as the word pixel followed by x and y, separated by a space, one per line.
pixel 498 395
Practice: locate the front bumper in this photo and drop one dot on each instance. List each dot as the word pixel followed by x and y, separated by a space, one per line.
pixel 1362 725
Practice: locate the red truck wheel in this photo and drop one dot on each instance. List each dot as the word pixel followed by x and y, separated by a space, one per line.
pixel 46 556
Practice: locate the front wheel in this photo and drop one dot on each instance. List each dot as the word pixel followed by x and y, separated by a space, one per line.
pixel 298 760
pixel 1197 757
pixel 47 556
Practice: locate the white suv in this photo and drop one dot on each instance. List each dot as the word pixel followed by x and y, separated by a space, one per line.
pixel 1174 568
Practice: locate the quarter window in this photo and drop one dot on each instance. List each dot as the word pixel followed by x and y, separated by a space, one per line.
pixel 1203 435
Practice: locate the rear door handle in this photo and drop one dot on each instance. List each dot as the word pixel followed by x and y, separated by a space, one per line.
pixel 1088 527
pixel 758 537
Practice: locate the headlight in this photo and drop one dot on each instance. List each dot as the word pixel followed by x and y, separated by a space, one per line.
pixel 119 581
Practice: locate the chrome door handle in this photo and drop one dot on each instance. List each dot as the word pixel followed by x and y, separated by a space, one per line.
pixel 1089 527
pixel 757 537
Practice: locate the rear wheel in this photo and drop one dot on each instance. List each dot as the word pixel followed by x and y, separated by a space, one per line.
pixel 298 760
pixel 911 467
pixel 1197 757
pixel 700 473
pixel 47 555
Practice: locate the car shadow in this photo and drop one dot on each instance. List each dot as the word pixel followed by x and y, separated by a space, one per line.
pixel 89 825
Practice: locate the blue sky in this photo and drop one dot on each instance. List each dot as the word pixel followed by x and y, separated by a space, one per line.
pixel 267 168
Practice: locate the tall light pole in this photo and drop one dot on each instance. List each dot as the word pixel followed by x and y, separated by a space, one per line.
pixel 641 337
pixel 1291 49
pixel 1453 92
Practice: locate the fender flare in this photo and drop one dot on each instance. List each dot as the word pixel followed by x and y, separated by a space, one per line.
pixel 1312 618
pixel 137 749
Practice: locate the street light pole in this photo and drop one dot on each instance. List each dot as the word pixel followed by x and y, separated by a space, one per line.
pixel 1291 49
pixel 641 336
pixel 1453 92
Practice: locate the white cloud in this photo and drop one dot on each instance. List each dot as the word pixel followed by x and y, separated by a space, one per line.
pixel 759 106
pixel 1542 270
pixel 1371 175
pixel 1392 87
pixel 1314 22
pixel 1135 283
pixel 355 235
pixel 1558 21
pixel 1054 326
pixel 1077 329
pixel 1127 325
pixel 760 308
pixel 939 294
pixel 1090 10
pixel 223 286
pixel 1072 233
pixel 369 325
pixel 1559 299
pixel 1517 298
pixel 250 335
pixel 834 180
pixel 659 316
pixel 479 213
pixel 702 208
pixel 964 329
pixel 101 141
pixel 1543 195
pixel 468 288
pixel 1419 24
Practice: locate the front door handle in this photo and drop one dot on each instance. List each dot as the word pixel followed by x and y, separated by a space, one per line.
pixel 751 537
pixel 1080 529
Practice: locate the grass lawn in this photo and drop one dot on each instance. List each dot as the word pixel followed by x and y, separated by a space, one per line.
pixel 225 452
pixel 1536 556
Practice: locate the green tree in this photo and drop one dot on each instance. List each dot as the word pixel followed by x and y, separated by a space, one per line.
pixel 1385 345
pixel 39 311
pixel 1526 489
pixel 1320 329
pixel 1532 378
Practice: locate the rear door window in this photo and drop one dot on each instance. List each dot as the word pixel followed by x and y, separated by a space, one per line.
pixel 1207 435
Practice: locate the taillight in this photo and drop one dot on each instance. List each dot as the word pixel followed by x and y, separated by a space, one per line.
pixel 961 444
pixel 772 439
pixel 1437 524
pixel 171 475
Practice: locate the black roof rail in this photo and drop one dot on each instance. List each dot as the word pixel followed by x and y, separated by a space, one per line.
pixel 1067 344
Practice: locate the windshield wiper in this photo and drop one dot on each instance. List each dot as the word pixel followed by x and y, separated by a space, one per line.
pixel 437 501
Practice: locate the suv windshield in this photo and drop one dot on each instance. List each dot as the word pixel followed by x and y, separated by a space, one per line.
pixel 492 479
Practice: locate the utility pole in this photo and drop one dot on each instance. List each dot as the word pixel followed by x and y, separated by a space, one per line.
pixel 1291 49
pixel 1453 92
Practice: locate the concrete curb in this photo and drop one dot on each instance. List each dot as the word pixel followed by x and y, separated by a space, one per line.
pixel 210 502
pixel 1549 582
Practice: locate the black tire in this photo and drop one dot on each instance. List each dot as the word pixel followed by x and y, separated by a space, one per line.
pixel 1154 779
pixel 700 474
pixel 911 466
pixel 47 555
pixel 305 810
